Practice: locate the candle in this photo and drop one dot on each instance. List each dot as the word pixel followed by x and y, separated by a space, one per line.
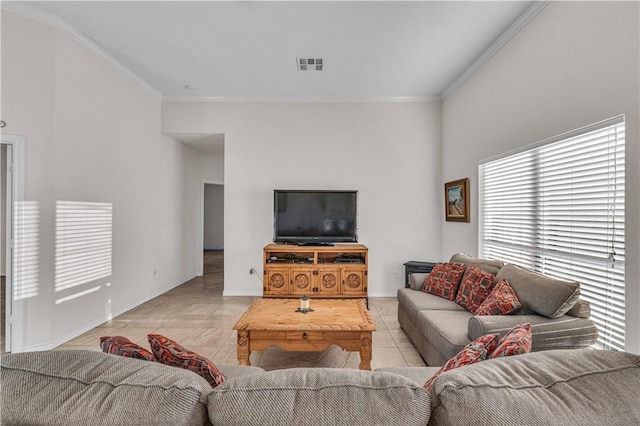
pixel 304 303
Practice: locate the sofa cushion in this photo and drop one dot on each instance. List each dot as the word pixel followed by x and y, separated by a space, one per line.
pixel 120 345
pixel 561 387
pixel 68 387
pixel 418 301
pixel 171 353
pixel 475 286
pixel 517 341
pixel 445 330
pixel 488 265
pixel 319 396
pixel 443 280
pixel 501 301
pixel 476 351
pixel 539 293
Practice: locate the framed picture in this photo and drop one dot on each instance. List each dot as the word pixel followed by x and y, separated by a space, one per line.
pixel 456 200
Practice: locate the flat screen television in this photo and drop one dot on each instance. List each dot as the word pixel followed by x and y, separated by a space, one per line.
pixel 315 217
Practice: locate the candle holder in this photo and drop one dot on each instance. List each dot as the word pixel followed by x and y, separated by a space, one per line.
pixel 305 305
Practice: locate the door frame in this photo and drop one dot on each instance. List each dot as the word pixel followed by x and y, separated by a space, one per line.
pixel 15 194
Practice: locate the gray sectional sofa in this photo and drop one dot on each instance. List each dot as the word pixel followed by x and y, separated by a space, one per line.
pixel 440 328
pixel 564 387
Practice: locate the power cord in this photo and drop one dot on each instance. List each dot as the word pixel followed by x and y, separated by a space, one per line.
pixel 253 272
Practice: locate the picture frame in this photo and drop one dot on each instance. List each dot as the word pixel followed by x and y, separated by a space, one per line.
pixel 456 200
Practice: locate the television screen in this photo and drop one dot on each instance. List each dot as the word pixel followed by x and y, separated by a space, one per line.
pixel 315 217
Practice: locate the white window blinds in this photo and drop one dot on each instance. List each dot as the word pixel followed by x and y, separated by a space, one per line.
pixel 557 207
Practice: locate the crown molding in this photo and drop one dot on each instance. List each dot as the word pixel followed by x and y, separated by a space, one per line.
pixel 30 12
pixel 306 99
pixel 535 8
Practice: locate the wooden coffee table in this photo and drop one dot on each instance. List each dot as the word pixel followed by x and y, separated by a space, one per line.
pixel 342 322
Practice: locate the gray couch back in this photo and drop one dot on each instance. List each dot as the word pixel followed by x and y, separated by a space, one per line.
pixel 565 387
pixel 320 396
pixel 582 387
pixel 92 388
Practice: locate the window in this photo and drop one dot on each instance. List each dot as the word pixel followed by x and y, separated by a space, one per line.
pixel 557 207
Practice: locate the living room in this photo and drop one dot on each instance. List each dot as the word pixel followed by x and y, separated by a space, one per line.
pixel 93 134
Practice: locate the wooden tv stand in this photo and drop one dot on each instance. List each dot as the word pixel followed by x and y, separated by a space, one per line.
pixel 325 272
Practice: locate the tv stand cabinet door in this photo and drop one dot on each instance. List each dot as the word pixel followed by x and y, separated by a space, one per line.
pixel 301 284
pixel 354 281
pixel 328 282
pixel 276 281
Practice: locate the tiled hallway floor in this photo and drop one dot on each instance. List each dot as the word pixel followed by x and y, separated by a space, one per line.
pixel 196 315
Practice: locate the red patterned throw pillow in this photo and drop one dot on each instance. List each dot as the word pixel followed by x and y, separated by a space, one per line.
pixel 119 345
pixel 169 352
pixel 443 280
pixel 517 341
pixel 502 300
pixel 476 351
pixel 474 288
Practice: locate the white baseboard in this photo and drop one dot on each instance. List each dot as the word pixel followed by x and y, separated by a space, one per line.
pixel 392 294
pixel 242 293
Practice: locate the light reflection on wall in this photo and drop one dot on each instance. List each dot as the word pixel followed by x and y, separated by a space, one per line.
pixel 83 245
pixel 26 249
pixel 79 294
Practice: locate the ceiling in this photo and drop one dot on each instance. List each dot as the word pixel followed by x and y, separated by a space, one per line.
pixel 241 50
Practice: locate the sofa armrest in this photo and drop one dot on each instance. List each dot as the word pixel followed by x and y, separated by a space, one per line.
pixel 416 280
pixel 581 309
pixel 565 332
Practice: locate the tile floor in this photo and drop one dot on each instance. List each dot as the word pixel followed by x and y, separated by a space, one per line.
pixel 196 315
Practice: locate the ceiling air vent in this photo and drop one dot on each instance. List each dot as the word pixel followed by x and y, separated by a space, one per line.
pixel 310 64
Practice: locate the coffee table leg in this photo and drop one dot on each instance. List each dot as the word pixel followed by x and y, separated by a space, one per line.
pixel 243 347
pixel 365 351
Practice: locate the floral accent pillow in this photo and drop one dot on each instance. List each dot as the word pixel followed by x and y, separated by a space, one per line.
pixel 502 300
pixel 443 280
pixel 171 353
pixel 476 351
pixel 517 341
pixel 474 288
pixel 119 345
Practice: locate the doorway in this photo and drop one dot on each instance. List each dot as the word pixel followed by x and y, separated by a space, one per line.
pixel 213 228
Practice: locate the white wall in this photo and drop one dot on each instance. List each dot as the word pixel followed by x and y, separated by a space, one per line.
pixel 388 151
pixel 574 64
pixel 93 135
pixel 213 215
pixel 211 167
